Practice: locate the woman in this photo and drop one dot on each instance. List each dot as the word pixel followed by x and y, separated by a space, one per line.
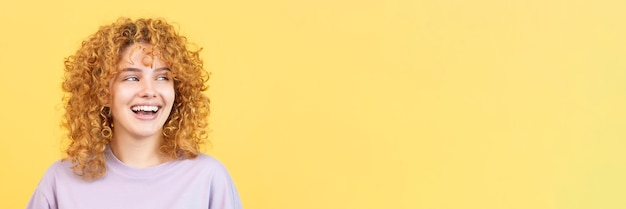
pixel 136 116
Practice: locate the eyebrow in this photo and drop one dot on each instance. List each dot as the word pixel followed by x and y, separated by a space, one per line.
pixel 130 69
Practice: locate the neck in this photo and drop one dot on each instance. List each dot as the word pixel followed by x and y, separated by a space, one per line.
pixel 138 153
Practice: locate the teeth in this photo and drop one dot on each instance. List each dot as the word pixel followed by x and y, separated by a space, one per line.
pixel 145 108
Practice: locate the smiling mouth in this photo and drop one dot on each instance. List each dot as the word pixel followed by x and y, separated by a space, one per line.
pixel 145 109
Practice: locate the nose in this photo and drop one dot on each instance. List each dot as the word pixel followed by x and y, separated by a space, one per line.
pixel 147 90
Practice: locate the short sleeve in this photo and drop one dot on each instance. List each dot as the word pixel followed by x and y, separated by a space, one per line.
pixel 223 194
pixel 38 201
pixel 44 195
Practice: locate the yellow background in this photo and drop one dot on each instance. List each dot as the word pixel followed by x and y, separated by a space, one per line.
pixel 485 104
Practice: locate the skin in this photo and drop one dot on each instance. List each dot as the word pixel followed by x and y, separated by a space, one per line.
pixel 144 80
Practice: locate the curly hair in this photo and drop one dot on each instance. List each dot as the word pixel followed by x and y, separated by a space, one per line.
pixel 87 82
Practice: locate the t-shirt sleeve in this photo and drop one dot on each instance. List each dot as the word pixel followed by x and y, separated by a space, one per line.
pixel 43 197
pixel 38 201
pixel 223 194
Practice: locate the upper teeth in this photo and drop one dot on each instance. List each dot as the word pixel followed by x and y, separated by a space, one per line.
pixel 145 108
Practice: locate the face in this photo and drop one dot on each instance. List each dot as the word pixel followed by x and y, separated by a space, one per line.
pixel 142 94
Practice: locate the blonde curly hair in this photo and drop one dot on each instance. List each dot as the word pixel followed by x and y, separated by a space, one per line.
pixel 87 77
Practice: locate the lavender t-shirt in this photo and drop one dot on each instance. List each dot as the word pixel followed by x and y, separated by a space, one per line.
pixel 202 182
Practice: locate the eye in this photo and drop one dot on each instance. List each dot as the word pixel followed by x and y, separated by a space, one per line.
pixel 163 78
pixel 132 78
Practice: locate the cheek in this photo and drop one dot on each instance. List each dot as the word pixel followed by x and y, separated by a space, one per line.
pixel 169 94
pixel 169 97
pixel 118 92
pixel 121 95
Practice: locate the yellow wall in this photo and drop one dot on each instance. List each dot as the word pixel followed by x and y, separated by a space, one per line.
pixel 484 104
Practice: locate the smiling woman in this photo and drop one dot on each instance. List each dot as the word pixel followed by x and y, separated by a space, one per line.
pixel 142 95
pixel 135 115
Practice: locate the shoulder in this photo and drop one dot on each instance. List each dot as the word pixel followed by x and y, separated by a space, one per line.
pixel 58 169
pixel 223 193
pixel 207 162
pixel 205 165
pixel 57 174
